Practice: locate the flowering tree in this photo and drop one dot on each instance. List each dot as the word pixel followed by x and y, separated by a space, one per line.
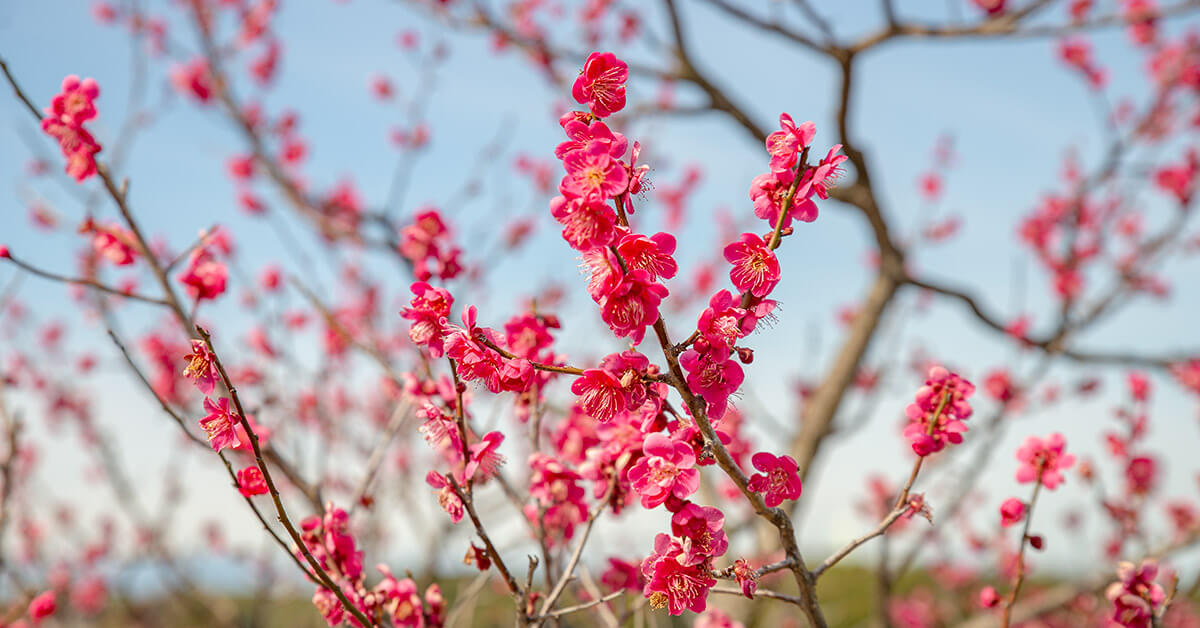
pixel 417 392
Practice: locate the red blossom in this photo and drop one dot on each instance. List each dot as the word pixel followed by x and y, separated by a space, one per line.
pixel 601 84
pixel 779 478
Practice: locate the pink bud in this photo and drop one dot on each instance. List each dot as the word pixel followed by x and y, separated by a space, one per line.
pixel 988 598
pixel 1036 541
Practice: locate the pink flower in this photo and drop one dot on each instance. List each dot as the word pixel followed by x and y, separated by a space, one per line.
pixel 666 470
pixel 115 244
pixel 755 268
pixel 637 174
pixel 1141 475
pixel 652 254
pixel 447 498
pixel 713 376
pixel 251 482
pixel 193 79
pixel 427 245
pixel 621 575
pixel 937 413
pixel 604 272
pixel 484 457
pixel 329 606
pixel 779 479
pixel 204 277
pixel 428 312
pixel 988 598
pixel 593 171
pixel 1136 597
pixel 823 177
pixel 1044 461
pixel 999 386
pixel 1077 52
pixel 672 585
pixel 75 102
pixel 601 85
pixel 1139 386
pixel 219 424
pixel 201 368
pixel 1011 511
pixel 600 394
pixel 632 305
pixel 401 599
pixel 1188 374
pixel 716 618
pixel 746 576
pixel 561 501
pixel 588 221
pixel 702 530
pixel 42 606
pixel 785 145
pixel 516 375
pixel 475 360
pixel 241 167
pixel 583 134
pixel 723 322
pixel 64 120
pixel 993 7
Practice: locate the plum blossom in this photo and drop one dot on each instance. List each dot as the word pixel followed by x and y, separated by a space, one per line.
pixel 632 304
pixel 755 267
pixel 1136 596
pixel 447 498
pixel 1044 460
pixel 671 584
pixel 251 482
pixel 592 170
pixel 42 606
pixel 68 111
pixel 652 254
pixel 702 531
pixel 428 311
pixel 202 367
pixel 601 84
pixel 219 424
pixel 484 458
pixel 779 478
pixel 936 416
pixel 786 144
pixel 600 394
pixel 204 276
pixel 667 470
pixel 588 222
pixel 713 376
pixel 1012 511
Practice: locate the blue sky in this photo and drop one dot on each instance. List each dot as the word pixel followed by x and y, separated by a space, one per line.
pixel 1012 109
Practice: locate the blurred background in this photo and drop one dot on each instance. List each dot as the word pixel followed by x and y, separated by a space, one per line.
pixel 413 105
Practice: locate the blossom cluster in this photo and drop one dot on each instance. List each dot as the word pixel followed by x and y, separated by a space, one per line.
pixel 427 245
pixel 1136 597
pixel 74 105
pixel 635 450
pixel 936 416
pixel 329 541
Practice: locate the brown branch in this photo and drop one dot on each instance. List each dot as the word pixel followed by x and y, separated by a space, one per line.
pixel 280 511
pixel 79 281
pixel 567 610
pixel 1020 577
pixel 763 24
pixel 573 561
